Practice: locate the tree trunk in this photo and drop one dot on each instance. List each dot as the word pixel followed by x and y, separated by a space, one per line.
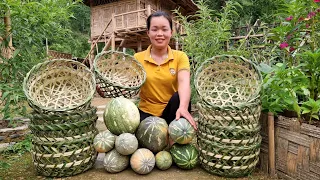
pixel 7 51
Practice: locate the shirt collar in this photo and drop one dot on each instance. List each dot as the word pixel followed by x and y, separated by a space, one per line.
pixel 147 56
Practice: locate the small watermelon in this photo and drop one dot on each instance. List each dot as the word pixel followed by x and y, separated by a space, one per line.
pixel 152 134
pixel 104 141
pixel 184 156
pixel 142 161
pixel 126 144
pixel 181 131
pixel 121 116
pixel 163 160
pixel 115 162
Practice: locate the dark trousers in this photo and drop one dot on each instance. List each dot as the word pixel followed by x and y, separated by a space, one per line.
pixel 169 113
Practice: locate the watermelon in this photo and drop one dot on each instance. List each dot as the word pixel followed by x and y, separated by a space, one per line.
pixel 163 160
pixel 115 162
pixel 121 116
pixel 126 144
pixel 104 141
pixel 152 134
pixel 184 156
pixel 142 161
pixel 181 131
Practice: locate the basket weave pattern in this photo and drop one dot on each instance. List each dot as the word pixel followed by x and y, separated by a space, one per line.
pixel 63 149
pixel 228 134
pixel 62 122
pixel 118 74
pixel 59 85
pixel 227 81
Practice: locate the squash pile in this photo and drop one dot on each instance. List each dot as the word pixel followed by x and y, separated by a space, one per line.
pixel 127 141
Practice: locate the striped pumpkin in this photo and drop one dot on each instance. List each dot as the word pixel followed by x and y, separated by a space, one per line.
pixel 142 161
pixel 121 116
pixel 152 134
pixel 184 156
pixel 163 160
pixel 181 131
pixel 104 141
pixel 126 144
pixel 115 162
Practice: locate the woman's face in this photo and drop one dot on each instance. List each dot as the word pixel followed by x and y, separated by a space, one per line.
pixel 159 32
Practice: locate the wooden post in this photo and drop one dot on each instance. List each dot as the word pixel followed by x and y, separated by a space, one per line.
pixel 148 10
pixel 113 37
pixel 272 163
pixel 138 8
pixel 139 49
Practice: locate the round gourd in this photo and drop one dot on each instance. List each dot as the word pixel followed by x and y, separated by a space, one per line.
pixel 142 161
pixel 163 160
pixel 104 141
pixel 126 144
pixel 115 162
pixel 152 134
pixel 181 131
pixel 121 116
pixel 184 156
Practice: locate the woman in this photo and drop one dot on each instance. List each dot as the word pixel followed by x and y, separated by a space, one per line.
pixel 166 92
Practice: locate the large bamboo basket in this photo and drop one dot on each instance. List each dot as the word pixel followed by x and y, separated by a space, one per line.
pixel 229 143
pixel 65 156
pixel 118 74
pixel 59 85
pixel 62 144
pixel 229 111
pixel 228 81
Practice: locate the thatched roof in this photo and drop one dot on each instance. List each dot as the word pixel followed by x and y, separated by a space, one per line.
pixel 188 5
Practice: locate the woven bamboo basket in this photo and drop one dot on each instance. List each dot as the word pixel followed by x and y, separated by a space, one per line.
pixel 229 111
pixel 228 81
pixel 62 143
pixel 118 75
pixel 65 156
pixel 54 118
pixel 59 85
pixel 229 143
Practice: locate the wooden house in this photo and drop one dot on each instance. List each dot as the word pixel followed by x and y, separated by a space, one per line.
pixel 122 23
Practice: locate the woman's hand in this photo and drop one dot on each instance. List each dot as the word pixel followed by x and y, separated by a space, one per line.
pixel 185 113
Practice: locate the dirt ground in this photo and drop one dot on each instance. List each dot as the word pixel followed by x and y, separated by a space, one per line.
pixel 22 167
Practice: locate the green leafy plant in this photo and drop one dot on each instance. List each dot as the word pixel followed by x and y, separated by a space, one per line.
pixel 298 39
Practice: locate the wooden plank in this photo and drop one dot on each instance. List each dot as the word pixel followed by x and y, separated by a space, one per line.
pixel 310 130
pixel 307 175
pixel 292 164
pixel 315 167
pixel 293 148
pixel 298 138
pixel 281 154
pixel 315 150
pixel 302 158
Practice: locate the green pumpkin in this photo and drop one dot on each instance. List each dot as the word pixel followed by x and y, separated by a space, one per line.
pixel 121 116
pixel 181 131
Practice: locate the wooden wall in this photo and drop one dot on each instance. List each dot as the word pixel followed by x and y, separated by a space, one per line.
pixel 101 15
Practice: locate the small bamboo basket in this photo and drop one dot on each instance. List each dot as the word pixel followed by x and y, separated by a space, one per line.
pixel 118 75
pixel 229 111
pixel 59 85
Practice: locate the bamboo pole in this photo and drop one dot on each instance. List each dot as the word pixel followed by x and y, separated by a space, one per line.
pixel 272 166
pixel 113 37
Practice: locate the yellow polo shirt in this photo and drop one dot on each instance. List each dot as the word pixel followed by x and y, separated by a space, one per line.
pixel 162 80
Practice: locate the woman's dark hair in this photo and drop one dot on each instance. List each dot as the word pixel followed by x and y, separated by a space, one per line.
pixel 158 14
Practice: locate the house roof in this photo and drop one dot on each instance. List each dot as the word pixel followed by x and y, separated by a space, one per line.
pixel 188 5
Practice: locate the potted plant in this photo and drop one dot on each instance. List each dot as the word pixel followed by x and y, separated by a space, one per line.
pixel 293 85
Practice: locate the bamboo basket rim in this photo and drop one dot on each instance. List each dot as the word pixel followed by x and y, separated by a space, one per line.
pixel 96 69
pixel 249 102
pixel 45 63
